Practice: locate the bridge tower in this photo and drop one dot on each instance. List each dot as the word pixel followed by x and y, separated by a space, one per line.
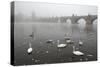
pixel 74 18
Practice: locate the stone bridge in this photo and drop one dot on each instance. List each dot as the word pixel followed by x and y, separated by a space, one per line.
pixel 74 18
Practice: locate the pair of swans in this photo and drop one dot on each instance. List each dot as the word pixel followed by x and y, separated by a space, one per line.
pixel 75 52
pixel 68 40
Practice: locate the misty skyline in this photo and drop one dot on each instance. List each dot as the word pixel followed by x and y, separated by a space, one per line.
pixel 52 10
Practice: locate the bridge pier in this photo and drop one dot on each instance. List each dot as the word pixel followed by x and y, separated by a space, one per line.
pixel 88 21
pixel 74 20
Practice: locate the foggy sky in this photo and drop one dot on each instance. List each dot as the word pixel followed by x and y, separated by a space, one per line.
pixel 49 10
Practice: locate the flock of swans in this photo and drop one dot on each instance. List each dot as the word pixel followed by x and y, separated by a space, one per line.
pixel 60 45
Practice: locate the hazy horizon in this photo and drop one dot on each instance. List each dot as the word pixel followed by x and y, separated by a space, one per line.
pixel 52 10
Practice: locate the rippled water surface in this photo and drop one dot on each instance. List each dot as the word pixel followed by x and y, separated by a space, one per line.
pixel 43 52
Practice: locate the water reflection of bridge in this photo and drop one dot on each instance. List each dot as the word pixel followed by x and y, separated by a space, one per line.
pixel 74 19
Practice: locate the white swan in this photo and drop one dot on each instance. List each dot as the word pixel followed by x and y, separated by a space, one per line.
pixel 66 37
pixel 60 45
pixel 29 50
pixel 78 53
pixel 80 43
pixel 49 41
pixel 68 41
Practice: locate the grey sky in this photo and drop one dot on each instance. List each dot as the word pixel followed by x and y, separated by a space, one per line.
pixel 48 10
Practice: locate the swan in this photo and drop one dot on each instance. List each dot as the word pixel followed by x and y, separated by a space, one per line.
pixel 32 35
pixel 78 53
pixel 29 50
pixel 49 41
pixel 61 45
pixel 68 41
pixel 66 38
pixel 80 43
pixel 89 55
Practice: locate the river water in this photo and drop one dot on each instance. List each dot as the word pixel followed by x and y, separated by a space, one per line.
pixel 44 53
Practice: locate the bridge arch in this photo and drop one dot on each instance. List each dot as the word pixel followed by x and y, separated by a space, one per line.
pixel 74 19
pixel 68 20
pixel 88 20
pixel 81 21
pixel 95 21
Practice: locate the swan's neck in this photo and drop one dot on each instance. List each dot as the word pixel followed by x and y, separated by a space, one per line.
pixel 30 45
pixel 33 34
pixel 80 41
pixel 58 42
pixel 73 48
pixel 65 35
